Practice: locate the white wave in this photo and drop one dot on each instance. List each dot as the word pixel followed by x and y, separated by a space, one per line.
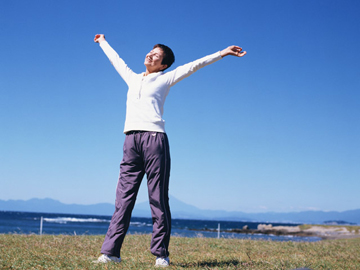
pixel 64 220
pixel 138 224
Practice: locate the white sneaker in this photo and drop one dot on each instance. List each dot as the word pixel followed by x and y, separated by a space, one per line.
pixel 162 262
pixel 105 259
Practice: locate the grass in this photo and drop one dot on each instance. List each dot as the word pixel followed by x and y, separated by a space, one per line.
pixel 77 252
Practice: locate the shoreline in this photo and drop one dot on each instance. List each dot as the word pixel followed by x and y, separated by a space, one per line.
pixel 325 232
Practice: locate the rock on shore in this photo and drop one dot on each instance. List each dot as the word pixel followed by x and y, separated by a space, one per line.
pixel 326 232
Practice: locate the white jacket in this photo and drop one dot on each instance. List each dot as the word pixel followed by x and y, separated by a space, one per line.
pixel 146 95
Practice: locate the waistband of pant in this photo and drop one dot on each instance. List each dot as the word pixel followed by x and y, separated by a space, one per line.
pixel 135 132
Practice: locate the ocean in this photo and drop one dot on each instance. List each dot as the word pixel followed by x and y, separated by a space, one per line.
pixel 71 224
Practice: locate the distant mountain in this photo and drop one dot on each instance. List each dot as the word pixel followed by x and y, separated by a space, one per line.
pixel 180 210
pixel 53 206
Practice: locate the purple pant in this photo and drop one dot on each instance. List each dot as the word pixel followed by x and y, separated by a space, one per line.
pixel 144 152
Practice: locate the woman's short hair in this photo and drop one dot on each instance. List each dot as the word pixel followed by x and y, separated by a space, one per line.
pixel 169 57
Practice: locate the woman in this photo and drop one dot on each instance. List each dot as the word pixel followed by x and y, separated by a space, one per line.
pixel 146 146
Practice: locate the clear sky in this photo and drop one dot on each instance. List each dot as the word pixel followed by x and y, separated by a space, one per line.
pixel 277 130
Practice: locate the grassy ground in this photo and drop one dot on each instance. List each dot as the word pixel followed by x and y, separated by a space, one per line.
pixel 78 252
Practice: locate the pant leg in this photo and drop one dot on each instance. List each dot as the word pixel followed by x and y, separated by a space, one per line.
pixel 157 168
pixel 131 174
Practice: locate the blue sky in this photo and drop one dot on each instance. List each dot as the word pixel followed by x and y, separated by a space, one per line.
pixel 277 130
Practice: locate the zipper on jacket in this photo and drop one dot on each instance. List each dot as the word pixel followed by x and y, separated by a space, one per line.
pixel 140 88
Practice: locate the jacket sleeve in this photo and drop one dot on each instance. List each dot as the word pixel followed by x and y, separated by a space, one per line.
pixel 119 64
pixel 186 70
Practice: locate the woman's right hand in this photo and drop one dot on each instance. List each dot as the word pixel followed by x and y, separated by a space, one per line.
pixel 99 38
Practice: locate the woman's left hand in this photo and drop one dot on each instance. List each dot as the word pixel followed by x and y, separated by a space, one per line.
pixel 233 50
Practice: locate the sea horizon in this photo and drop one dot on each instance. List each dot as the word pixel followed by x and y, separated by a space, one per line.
pixel 17 222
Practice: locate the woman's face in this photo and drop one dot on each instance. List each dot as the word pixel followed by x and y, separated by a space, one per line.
pixel 153 60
